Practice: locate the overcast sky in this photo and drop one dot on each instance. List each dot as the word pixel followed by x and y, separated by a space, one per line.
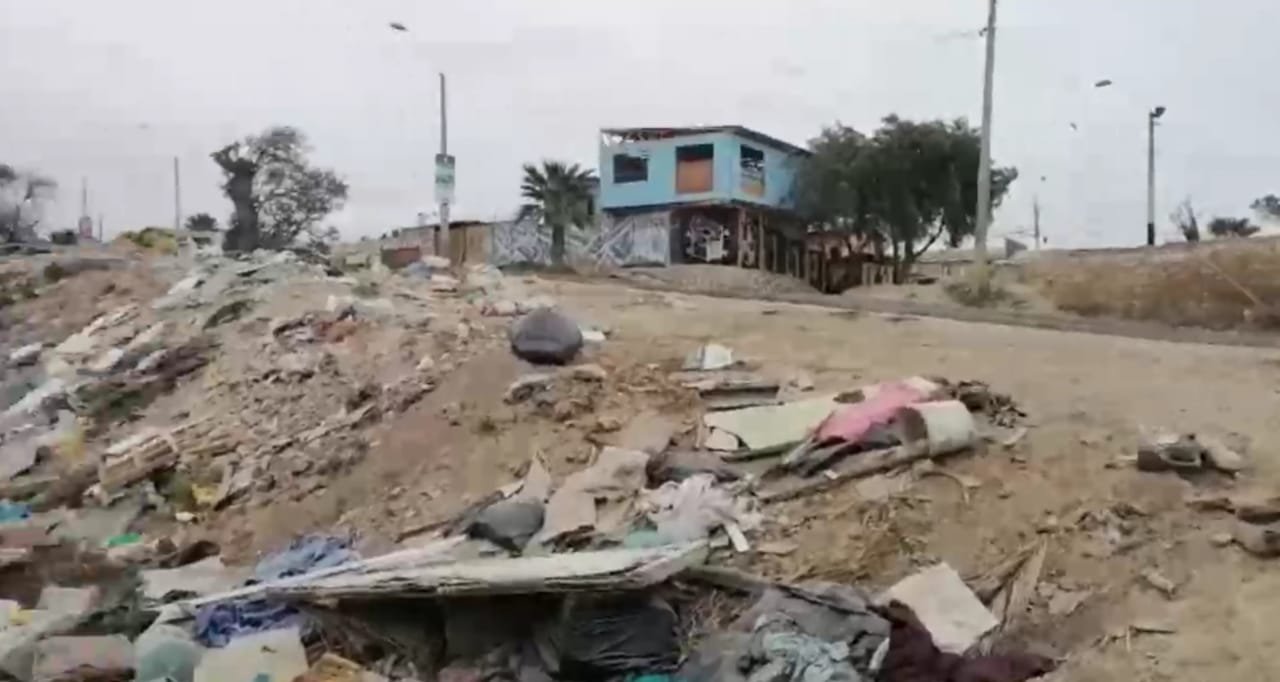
pixel 113 90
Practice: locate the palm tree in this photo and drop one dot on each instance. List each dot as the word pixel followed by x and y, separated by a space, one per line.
pixel 559 195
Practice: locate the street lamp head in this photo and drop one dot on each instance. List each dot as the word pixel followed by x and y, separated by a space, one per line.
pixel 1105 82
pixel 399 27
pixel 1157 112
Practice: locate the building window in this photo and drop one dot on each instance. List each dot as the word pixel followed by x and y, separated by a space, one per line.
pixel 694 168
pixel 629 168
pixel 751 161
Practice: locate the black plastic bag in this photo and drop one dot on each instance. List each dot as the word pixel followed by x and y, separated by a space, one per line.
pixel 600 636
pixel 508 523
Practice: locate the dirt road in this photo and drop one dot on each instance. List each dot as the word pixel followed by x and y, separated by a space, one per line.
pixel 782 289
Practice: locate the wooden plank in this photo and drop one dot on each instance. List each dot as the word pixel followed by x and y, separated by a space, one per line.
pixel 759 236
pixel 863 464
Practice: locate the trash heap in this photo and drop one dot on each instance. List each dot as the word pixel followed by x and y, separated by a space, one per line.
pixel 625 569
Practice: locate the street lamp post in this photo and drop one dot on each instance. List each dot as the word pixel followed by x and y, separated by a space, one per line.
pixel 1152 116
pixel 444 191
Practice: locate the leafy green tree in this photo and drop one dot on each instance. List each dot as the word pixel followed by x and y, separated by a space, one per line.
pixel 906 185
pixel 277 195
pixel 1232 227
pixel 201 222
pixel 558 196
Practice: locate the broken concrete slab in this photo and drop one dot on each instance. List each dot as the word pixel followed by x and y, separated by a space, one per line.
pixel 948 609
pixel 273 656
pixel 773 425
pixel 61 659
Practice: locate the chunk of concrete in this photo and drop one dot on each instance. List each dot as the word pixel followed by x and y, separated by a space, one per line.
pixel 273 656
pixel 947 608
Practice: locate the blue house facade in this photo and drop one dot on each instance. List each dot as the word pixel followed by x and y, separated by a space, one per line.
pixel 712 194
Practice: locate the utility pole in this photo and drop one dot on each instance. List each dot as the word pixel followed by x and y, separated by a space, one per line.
pixel 445 197
pixel 84 196
pixel 1152 116
pixel 984 155
pixel 1035 212
pixel 177 197
pixel 100 228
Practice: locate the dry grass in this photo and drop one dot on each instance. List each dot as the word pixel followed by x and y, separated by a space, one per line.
pixel 1220 286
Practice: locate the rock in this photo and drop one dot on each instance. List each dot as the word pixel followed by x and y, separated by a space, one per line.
pixel 426 364
pixel 546 337
pixel 1261 541
pixel 593 336
pixel 501 309
pixel 1159 581
pixel 527 386
pixel 444 283
pixel 1217 455
pixel 1221 539
pixel 26 355
pixel 591 372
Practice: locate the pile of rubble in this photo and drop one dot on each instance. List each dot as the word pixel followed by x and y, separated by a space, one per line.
pixel 642 563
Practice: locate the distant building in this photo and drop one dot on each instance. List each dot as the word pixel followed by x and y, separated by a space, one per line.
pixel 715 194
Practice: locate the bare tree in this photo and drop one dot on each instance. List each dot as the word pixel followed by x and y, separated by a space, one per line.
pixel 1187 221
pixel 277 197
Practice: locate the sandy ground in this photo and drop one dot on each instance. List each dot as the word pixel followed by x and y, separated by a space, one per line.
pixel 1087 396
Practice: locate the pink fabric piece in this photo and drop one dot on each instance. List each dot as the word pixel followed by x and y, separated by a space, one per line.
pixel 851 422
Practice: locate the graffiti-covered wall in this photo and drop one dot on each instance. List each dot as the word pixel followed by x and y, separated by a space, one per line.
pixel 633 239
pixel 524 242
pixel 619 240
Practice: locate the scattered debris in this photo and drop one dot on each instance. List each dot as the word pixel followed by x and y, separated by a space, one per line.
pixel 1157 580
pixel 1259 540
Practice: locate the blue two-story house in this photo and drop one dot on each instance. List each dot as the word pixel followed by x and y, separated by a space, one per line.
pixel 713 194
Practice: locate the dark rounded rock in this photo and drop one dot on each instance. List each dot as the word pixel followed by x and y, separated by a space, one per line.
pixel 546 337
